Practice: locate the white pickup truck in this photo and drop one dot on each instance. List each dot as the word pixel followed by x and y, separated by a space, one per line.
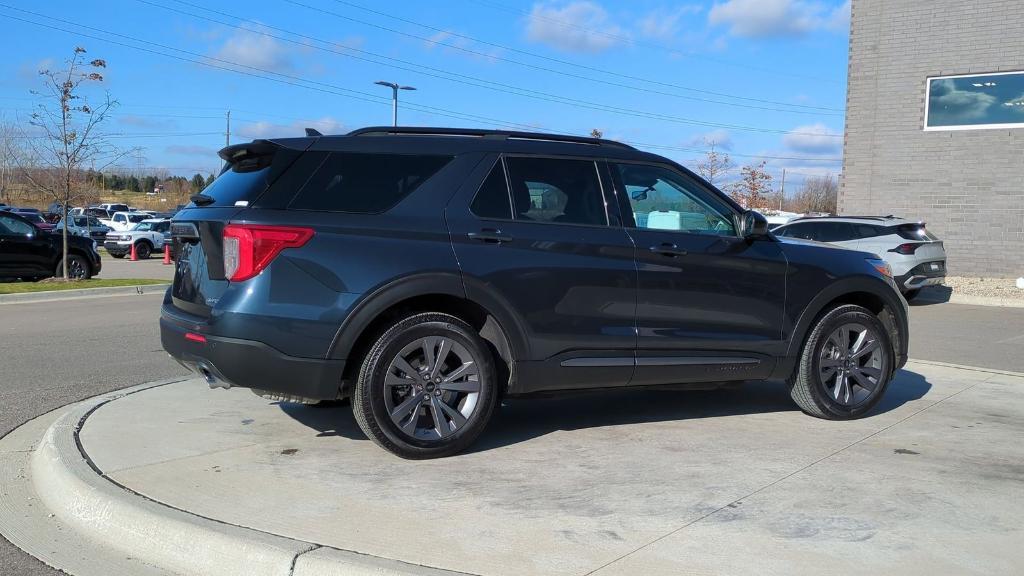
pixel 122 221
pixel 148 236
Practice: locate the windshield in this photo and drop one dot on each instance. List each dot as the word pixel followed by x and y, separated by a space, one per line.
pixel 143 227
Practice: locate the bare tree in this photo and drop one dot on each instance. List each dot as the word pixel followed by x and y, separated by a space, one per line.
pixel 754 188
pixel 67 134
pixel 9 156
pixel 715 164
pixel 596 133
pixel 818 194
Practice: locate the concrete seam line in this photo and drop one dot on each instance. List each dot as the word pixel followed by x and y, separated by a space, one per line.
pixel 783 478
pixel 79 293
pixel 291 570
pixel 965 367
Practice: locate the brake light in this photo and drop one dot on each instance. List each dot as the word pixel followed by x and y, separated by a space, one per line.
pixel 195 337
pixel 905 248
pixel 248 248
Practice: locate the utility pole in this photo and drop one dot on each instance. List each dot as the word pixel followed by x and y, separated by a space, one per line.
pixel 394 98
pixel 782 189
pixel 227 136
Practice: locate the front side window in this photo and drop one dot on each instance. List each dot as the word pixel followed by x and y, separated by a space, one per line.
pixel 556 190
pixel 975 101
pixel 365 183
pixel 663 200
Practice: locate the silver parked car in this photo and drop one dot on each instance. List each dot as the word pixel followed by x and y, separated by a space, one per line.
pixel 916 256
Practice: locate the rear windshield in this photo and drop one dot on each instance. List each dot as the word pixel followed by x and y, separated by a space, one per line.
pixel 915 232
pixel 233 186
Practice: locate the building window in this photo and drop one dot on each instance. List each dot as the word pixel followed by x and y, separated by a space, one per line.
pixel 974 102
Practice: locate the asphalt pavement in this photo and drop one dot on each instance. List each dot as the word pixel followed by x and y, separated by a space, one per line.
pixel 56 353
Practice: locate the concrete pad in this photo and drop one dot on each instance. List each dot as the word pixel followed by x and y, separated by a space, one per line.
pixel 620 480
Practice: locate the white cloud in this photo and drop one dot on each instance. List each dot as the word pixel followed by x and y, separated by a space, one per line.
pixel 579 26
pixel 779 18
pixel 664 24
pixel 720 138
pixel 250 48
pixel 267 129
pixel 813 139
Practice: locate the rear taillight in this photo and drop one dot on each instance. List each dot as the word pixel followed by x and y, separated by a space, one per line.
pixel 905 248
pixel 248 249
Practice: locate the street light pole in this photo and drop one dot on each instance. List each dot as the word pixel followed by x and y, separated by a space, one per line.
pixel 394 98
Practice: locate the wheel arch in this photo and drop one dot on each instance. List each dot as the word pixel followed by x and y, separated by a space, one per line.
pixel 445 293
pixel 870 293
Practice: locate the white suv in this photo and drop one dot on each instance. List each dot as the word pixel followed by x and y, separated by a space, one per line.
pixel 148 236
pixel 917 256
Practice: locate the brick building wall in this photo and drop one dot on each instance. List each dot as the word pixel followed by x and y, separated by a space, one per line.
pixel 968 185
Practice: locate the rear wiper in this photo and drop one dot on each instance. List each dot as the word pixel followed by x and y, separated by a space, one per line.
pixel 202 199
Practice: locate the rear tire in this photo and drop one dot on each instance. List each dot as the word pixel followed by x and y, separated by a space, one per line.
pixel 427 388
pixel 845 365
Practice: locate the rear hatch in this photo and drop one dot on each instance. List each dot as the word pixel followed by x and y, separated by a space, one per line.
pixel 925 245
pixel 197 231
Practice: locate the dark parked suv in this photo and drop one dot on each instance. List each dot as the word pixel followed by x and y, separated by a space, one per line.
pixel 30 253
pixel 426 272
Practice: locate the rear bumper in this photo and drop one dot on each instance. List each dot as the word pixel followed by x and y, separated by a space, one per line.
pixel 925 274
pixel 230 362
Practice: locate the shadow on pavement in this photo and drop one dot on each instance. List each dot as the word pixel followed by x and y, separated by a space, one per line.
pixel 519 420
pixel 932 295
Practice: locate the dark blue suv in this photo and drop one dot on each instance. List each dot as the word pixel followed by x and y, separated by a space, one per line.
pixel 426 272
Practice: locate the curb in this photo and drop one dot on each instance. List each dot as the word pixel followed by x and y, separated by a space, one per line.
pixel 52 295
pixel 965 367
pixel 985 301
pixel 114 517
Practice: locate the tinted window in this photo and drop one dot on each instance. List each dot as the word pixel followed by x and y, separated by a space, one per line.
pixel 492 199
pixel 662 199
pixel 805 231
pixel 976 101
pixel 867 231
pixel 10 225
pixel 365 183
pixel 556 190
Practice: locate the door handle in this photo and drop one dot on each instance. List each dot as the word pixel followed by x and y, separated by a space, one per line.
pixel 490 236
pixel 667 249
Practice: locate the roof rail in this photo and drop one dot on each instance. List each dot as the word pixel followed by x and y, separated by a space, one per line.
pixel 480 133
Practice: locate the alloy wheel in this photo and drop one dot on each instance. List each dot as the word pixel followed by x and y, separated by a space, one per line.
pixel 432 388
pixel 851 364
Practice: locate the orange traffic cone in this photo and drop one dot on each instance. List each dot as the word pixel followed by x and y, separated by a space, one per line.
pixel 167 254
pixel 133 257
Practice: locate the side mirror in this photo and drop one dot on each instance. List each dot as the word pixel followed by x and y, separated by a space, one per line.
pixel 753 224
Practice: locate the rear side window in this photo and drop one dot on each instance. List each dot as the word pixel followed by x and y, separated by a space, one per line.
pixel 556 190
pixel 365 183
pixel 834 232
pixel 492 199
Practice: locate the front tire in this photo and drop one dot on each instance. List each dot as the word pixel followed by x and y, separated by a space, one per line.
pixel 427 388
pixel 143 250
pixel 78 268
pixel 845 365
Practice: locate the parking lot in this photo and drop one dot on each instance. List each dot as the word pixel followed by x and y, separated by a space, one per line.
pixel 620 482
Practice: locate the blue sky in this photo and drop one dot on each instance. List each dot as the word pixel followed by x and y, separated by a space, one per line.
pixel 762 78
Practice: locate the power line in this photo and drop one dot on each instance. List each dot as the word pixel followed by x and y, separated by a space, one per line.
pixel 461 78
pixel 375 98
pixel 418 107
pixel 821 109
pixel 635 42
pixel 283 78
